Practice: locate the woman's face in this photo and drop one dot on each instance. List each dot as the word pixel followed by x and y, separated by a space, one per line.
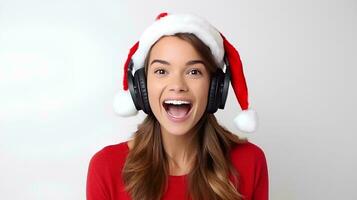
pixel 177 72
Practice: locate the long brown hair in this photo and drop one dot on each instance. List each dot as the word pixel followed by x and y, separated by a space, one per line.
pixel 213 176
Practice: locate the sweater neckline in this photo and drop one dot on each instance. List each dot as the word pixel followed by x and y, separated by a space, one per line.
pixel 172 177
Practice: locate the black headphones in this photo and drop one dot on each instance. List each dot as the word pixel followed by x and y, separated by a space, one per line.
pixel 216 98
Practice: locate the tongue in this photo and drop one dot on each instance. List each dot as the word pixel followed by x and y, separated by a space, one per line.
pixel 178 111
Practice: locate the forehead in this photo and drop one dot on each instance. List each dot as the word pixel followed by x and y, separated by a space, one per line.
pixel 173 49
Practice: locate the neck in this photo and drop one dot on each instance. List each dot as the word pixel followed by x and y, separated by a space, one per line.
pixel 180 150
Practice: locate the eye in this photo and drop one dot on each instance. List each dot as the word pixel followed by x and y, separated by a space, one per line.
pixel 160 71
pixel 195 72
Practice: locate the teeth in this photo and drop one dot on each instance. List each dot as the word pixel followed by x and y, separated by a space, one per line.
pixel 176 102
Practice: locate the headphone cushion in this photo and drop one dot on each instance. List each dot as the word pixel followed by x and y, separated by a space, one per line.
pixel 212 102
pixel 143 91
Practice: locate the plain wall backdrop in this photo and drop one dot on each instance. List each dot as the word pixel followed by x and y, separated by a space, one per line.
pixel 62 61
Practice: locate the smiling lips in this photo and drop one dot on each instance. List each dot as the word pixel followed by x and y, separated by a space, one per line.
pixel 177 110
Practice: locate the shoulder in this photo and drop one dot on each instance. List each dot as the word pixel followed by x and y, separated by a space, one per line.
pixel 114 154
pixel 102 175
pixel 250 162
pixel 247 150
pixel 248 155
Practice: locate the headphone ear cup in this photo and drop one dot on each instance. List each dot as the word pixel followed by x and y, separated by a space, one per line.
pixel 212 101
pixel 223 89
pixel 144 99
pixel 133 88
pixel 224 85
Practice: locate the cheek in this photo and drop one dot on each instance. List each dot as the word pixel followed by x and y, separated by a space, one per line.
pixel 200 90
pixel 154 91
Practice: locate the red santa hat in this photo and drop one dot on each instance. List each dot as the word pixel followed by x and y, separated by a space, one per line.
pixel 169 24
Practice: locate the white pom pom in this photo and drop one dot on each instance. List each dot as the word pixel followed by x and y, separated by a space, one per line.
pixel 247 121
pixel 123 104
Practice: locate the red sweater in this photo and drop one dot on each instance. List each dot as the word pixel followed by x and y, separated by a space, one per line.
pixel 104 181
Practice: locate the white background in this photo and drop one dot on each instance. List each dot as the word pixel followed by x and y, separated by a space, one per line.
pixel 62 61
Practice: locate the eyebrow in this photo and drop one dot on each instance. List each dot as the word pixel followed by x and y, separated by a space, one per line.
pixel 191 62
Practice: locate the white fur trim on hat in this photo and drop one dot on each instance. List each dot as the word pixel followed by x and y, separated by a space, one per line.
pixel 123 104
pixel 179 23
pixel 246 121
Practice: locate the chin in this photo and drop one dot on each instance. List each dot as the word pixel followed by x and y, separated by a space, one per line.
pixel 177 130
pixel 174 128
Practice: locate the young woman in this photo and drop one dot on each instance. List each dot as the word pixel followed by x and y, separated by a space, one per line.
pixel 180 151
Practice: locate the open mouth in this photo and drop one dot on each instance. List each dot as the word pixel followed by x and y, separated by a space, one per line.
pixel 177 109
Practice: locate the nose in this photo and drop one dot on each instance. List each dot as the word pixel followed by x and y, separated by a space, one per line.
pixel 178 84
